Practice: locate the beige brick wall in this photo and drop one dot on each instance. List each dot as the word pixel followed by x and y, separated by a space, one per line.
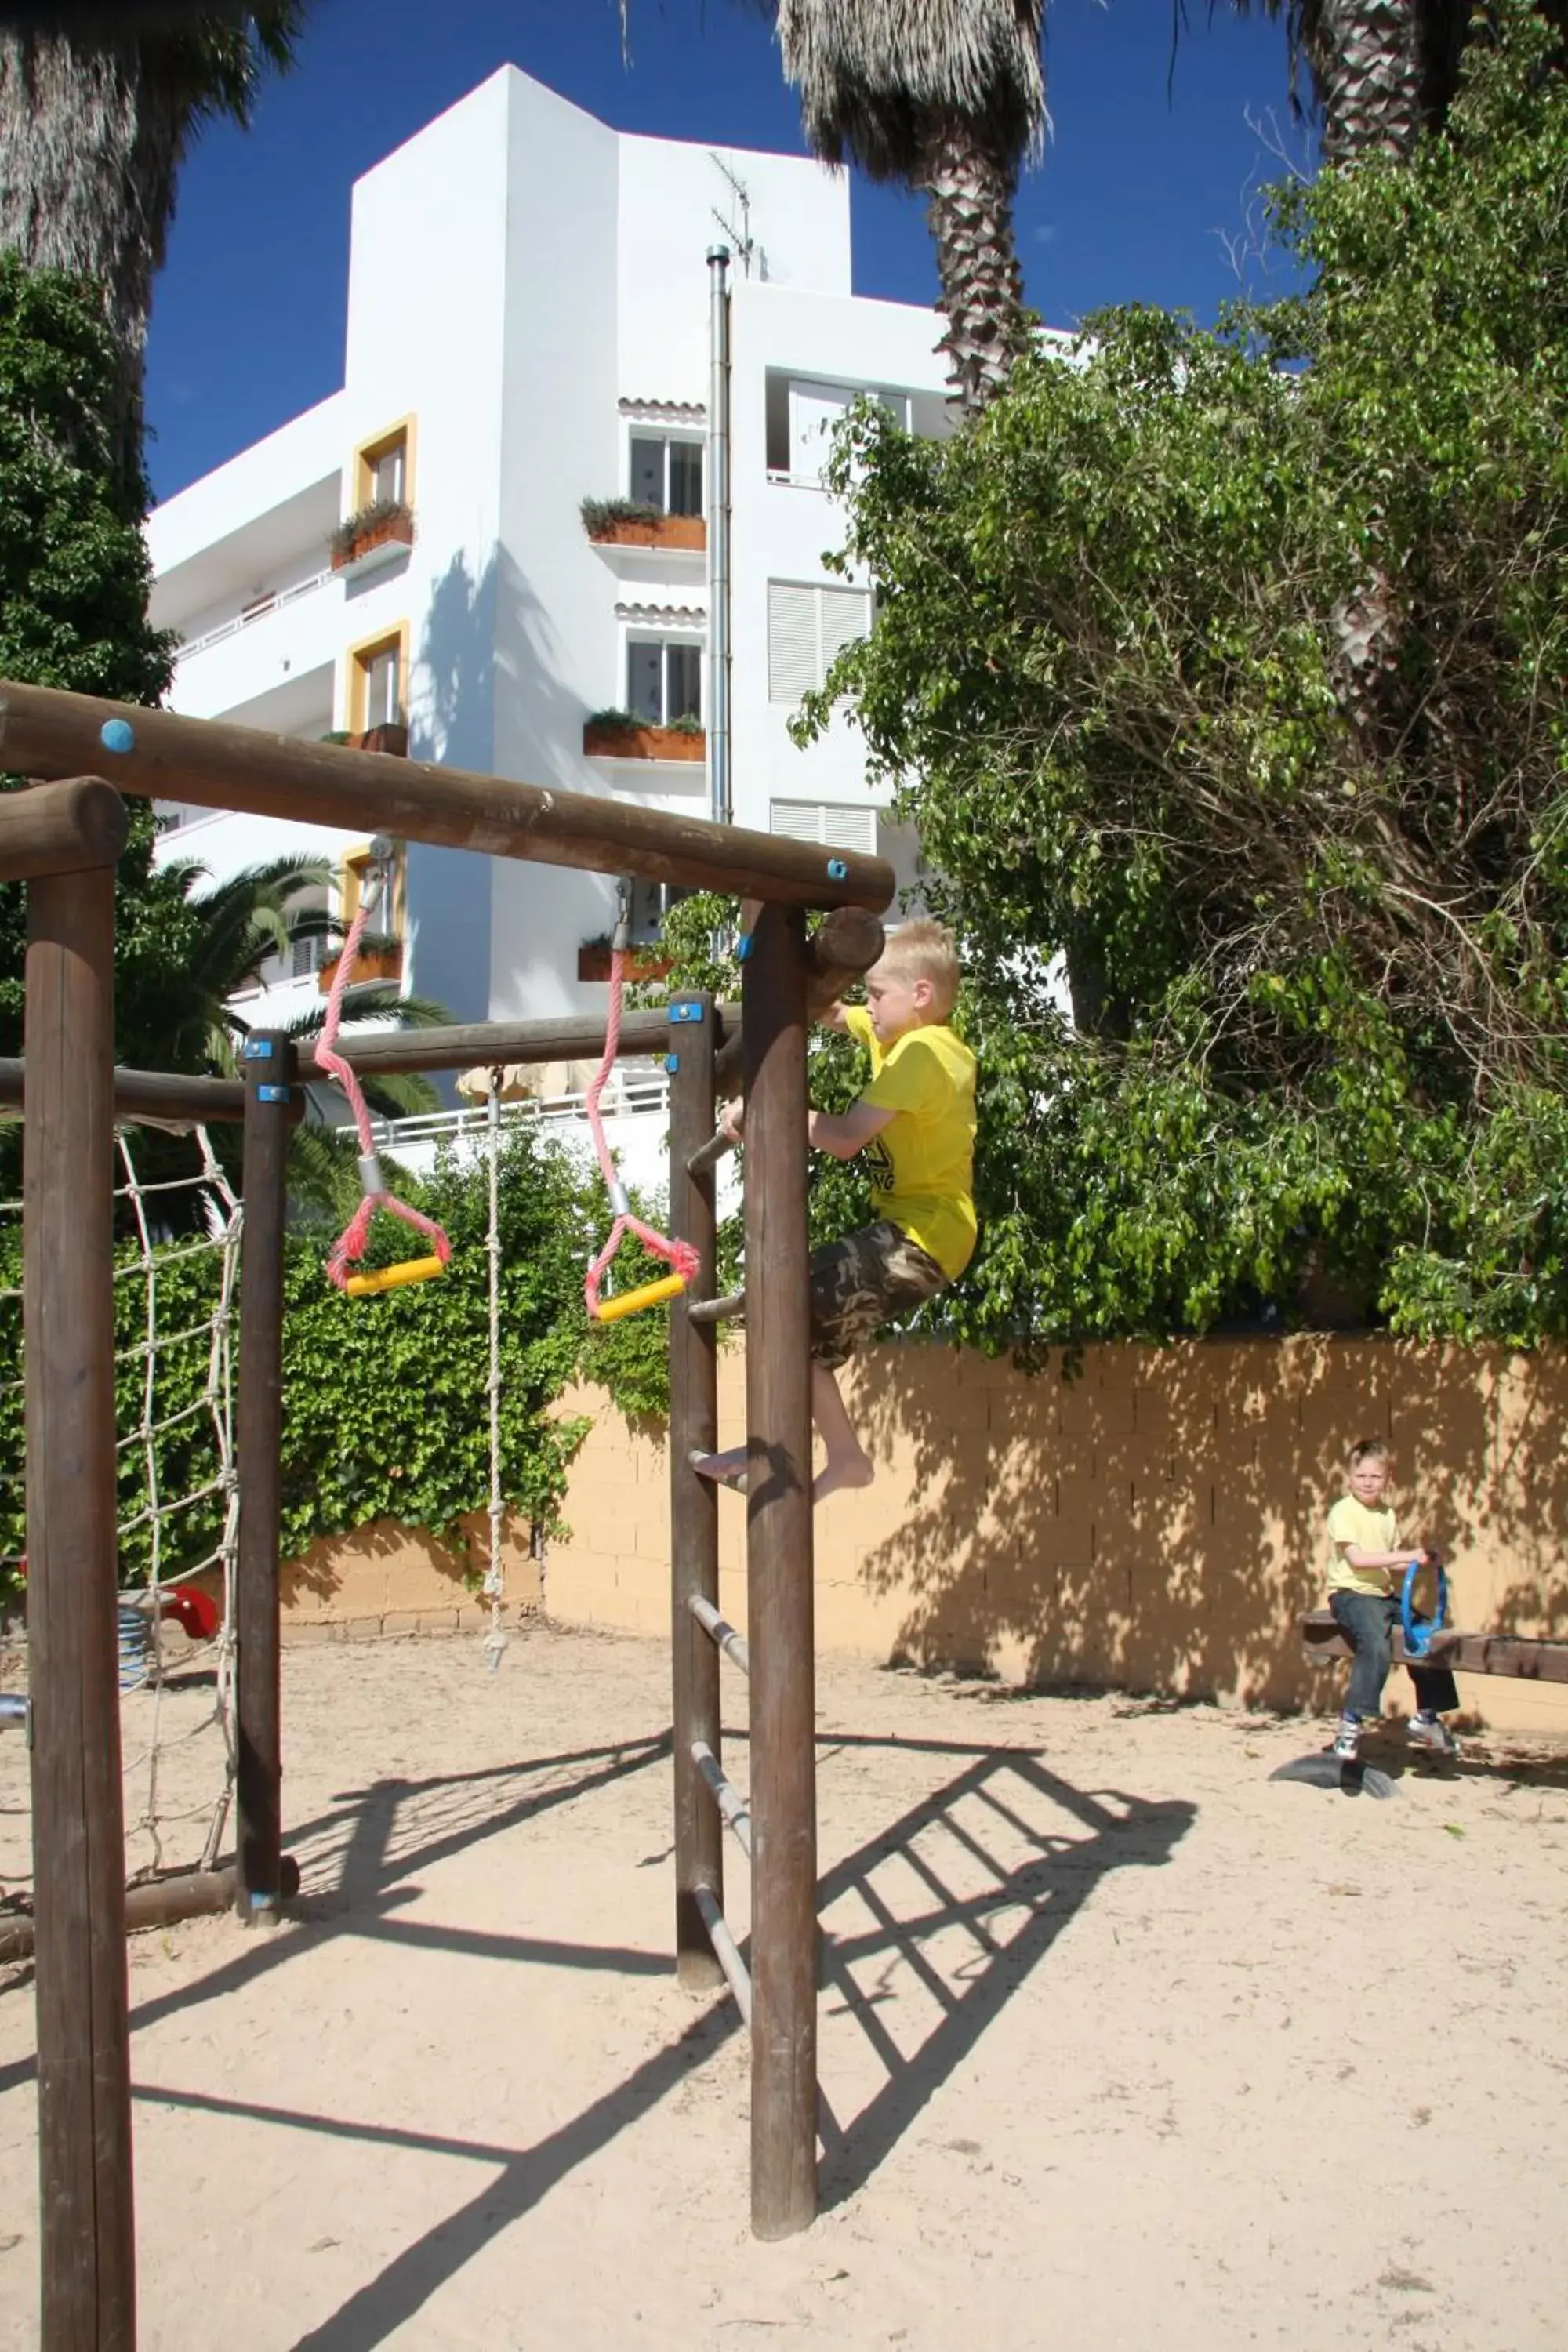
pixel 387 1580
pixel 1155 1524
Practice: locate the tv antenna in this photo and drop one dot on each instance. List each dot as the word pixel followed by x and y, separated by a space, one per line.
pixel 741 238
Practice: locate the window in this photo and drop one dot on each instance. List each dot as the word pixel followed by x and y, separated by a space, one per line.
pixel 666 473
pixel 833 824
pixel 664 681
pixel 376 685
pixel 807 627
pixel 799 419
pixel 383 467
pixel 651 902
pixel 389 473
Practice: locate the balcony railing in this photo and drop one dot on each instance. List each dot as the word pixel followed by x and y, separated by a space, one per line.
pixel 259 611
pixel 639 1096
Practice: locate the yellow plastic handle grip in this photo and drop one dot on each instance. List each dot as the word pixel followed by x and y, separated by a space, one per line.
pixel 631 1302
pixel 394 1277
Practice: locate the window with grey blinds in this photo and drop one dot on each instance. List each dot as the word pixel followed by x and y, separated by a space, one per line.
pixel 807 627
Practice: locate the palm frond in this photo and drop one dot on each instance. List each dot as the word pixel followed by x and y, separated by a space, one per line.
pixel 878 80
pixel 378 1002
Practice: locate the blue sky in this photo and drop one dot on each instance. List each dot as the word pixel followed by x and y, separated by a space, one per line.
pixel 1148 181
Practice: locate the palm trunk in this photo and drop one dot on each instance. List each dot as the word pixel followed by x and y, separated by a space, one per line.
pixel 89 144
pixel 971 192
pixel 1366 63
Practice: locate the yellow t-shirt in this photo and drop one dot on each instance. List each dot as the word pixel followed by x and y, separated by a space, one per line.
pixel 922 1163
pixel 1351 1522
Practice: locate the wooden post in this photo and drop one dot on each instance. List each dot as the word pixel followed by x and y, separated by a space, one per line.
pixel 694 1501
pixel 779 1570
pixel 259 1787
pixel 87 2227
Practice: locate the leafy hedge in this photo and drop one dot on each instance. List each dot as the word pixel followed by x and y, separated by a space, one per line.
pixel 385 1405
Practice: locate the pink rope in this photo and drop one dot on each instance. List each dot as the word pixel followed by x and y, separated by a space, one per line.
pixel 351 1243
pixel 679 1257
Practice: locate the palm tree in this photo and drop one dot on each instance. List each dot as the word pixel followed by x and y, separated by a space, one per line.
pixel 948 96
pixel 1382 71
pixel 256 915
pixel 98 106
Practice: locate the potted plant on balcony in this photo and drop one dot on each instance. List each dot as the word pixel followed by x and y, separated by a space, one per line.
pixel 379 959
pixel 632 522
pixel 620 735
pixel 383 522
pixel 593 960
pixel 391 737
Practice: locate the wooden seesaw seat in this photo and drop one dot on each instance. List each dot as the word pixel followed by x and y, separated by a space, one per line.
pixel 1462 1653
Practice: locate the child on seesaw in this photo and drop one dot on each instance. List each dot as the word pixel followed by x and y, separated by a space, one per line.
pixel 915 1122
pixel 1363 1549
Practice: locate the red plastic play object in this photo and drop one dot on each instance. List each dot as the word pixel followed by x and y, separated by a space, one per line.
pixel 196 1610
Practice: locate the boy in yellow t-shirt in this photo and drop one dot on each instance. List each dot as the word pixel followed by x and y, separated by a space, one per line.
pixel 915 1122
pixel 1364 1549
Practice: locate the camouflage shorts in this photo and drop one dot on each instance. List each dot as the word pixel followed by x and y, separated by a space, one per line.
pixel 871 1277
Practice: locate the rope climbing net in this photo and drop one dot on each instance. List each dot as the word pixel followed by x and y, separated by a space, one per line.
pixel 176 1277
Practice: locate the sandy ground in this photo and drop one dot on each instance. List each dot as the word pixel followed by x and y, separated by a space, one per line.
pixel 1124 2043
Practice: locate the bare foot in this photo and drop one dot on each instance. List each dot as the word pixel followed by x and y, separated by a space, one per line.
pixel 840 1476
pixel 725 1469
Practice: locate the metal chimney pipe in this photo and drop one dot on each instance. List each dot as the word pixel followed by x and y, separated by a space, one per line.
pixel 720 802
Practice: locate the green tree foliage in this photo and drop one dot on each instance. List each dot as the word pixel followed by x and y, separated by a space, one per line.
pixel 1317 916
pixel 385 1400
pixel 74 581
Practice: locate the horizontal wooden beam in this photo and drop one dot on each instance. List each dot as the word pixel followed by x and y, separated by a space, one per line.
pixel 60 828
pixel 162 1096
pixel 212 764
pixel 1462 1653
pixel 719 1146
pixel 491 1044
pixel 718 1310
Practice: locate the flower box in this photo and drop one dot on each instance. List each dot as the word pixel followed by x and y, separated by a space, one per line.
pixel 384 966
pixel 362 535
pixel 392 739
pixel 601 743
pixel 594 963
pixel 682 531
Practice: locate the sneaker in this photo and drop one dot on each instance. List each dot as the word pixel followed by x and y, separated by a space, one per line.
pixel 1431 1731
pixel 1347 1740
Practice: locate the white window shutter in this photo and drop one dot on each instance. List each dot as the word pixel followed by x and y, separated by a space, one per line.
pixel 846 616
pixel 808 627
pixel 792 641
pixel 830 822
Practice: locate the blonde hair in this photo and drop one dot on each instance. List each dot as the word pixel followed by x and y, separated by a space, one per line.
pixel 1371 1449
pixel 924 950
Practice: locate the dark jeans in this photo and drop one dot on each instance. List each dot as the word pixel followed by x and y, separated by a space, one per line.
pixel 1367 1621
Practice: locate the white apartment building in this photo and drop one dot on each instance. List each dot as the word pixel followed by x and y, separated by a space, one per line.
pixel 529 326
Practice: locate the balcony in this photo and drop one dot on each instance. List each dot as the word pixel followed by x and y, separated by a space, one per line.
pixel 378 535
pixel 617 735
pixel 258 609
pixel 375 969
pixel 642 542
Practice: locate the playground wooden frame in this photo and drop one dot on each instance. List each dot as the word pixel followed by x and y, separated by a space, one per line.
pixel 63 837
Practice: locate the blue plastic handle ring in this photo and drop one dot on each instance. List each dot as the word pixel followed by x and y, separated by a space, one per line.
pixel 117 735
pixel 836 869
pixel 1418 1631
